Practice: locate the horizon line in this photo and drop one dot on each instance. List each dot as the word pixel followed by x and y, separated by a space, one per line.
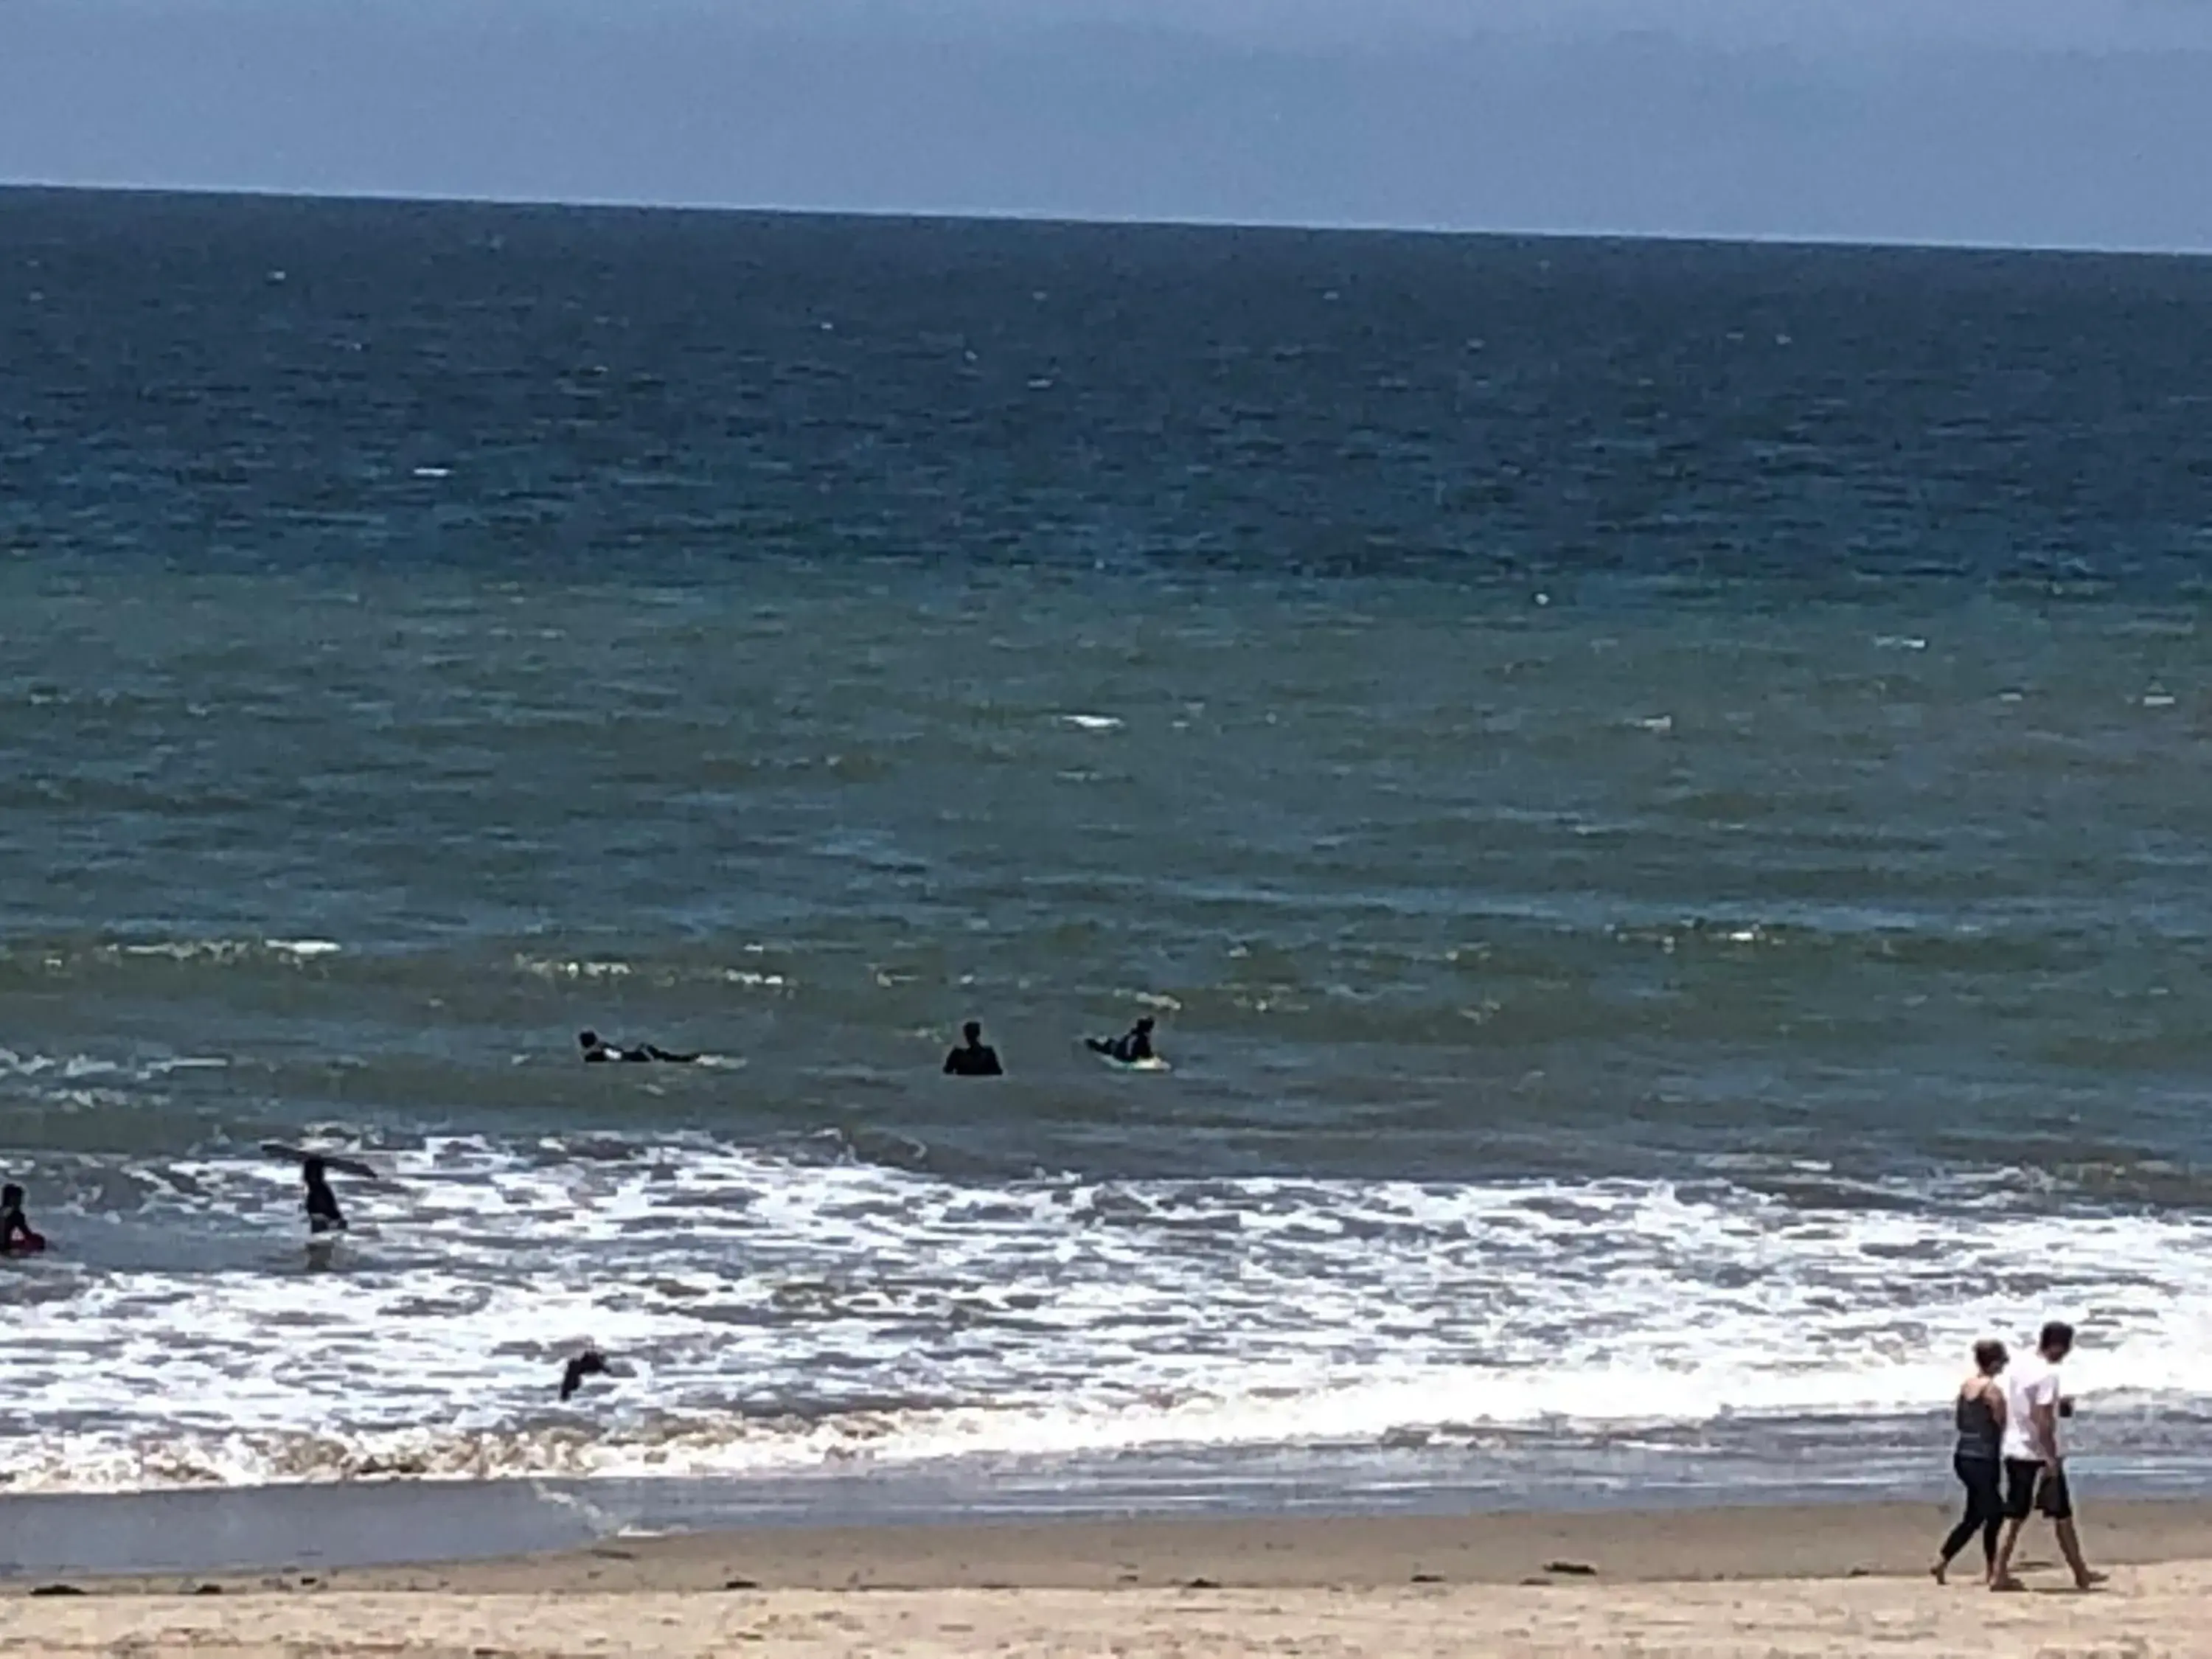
pixel 1129 222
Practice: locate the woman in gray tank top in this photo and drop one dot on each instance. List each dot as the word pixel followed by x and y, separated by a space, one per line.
pixel 1979 1412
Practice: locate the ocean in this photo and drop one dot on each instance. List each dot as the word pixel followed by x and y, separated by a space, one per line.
pixel 1661 796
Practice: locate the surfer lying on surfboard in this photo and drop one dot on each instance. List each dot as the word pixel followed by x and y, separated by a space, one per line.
pixel 16 1238
pixel 597 1050
pixel 1131 1048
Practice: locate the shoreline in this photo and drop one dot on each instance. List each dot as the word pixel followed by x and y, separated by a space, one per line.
pixel 1759 1542
pixel 1836 1539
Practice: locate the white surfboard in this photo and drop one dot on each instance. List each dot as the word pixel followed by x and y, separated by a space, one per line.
pixel 1155 1064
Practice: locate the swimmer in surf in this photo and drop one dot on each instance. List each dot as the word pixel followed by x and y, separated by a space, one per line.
pixel 974 1057
pixel 596 1050
pixel 590 1363
pixel 1134 1045
pixel 16 1238
pixel 322 1205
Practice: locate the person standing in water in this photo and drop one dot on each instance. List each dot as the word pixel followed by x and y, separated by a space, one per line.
pixel 1133 1046
pixel 16 1238
pixel 975 1057
pixel 1979 1411
pixel 321 1204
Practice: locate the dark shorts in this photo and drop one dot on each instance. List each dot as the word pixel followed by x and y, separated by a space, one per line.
pixel 2030 1488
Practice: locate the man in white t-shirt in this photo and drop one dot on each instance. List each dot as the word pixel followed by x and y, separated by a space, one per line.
pixel 2034 1466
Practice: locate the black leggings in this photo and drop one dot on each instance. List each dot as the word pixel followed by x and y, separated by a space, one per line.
pixel 1981 1476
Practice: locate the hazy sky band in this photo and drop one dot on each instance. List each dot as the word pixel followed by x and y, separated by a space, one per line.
pixel 2032 123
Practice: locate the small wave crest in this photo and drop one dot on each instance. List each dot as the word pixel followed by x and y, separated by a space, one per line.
pixel 604 1440
pixel 591 969
pixel 37 961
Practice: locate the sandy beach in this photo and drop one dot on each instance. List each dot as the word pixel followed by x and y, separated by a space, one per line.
pixel 1834 1580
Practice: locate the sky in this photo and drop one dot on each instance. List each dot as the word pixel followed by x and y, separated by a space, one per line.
pixel 2072 123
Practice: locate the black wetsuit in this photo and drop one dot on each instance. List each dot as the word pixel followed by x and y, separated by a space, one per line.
pixel 1130 1048
pixel 973 1060
pixel 16 1233
pixel 324 1215
pixel 591 1363
pixel 644 1053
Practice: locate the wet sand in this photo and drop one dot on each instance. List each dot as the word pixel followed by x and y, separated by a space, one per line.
pixel 1831 1579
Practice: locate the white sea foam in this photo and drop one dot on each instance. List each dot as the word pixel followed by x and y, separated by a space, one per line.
pixel 612 968
pixel 69 1066
pixel 72 1069
pixel 778 1315
pixel 218 950
pixel 182 949
pixel 563 968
